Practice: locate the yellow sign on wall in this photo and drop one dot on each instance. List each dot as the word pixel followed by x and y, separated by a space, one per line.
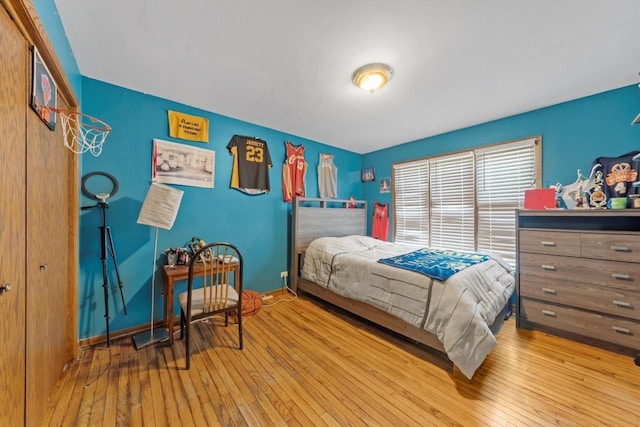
pixel 185 126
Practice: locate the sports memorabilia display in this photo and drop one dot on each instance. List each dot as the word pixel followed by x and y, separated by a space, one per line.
pixel 294 171
pixel 251 163
pixel 619 174
pixel 327 177
pixel 186 126
pixel 380 226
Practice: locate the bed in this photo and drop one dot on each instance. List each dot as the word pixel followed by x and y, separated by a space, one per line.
pixel 456 319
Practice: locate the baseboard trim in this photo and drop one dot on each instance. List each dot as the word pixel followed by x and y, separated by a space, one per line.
pixel 100 339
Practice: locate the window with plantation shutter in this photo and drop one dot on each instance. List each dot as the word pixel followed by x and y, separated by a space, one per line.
pixel 467 200
pixel 502 174
pixel 411 201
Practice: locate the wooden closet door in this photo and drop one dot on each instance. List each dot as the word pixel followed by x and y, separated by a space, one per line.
pixel 49 294
pixel 14 78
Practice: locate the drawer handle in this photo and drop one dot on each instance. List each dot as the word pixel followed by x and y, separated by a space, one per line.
pixel 549 291
pixel 547 243
pixel 620 249
pixel 548 267
pixel 621 330
pixel 621 303
pixel 620 276
pixel 549 313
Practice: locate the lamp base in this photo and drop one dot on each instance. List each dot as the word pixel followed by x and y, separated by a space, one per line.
pixel 150 337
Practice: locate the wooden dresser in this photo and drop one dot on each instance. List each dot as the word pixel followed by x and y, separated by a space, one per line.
pixel 578 275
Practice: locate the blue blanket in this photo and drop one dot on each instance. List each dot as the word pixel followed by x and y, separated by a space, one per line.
pixel 435 263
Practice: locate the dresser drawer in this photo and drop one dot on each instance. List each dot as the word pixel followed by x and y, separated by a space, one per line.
pixel 607 300
pixel 616 247
pixel 609 329
pixel 622 275
pixel 549 242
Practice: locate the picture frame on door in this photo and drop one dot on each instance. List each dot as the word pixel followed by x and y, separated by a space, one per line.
pixel 44 90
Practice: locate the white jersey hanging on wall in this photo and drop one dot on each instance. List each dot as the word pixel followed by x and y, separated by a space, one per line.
pixel 251 163
pixel 327 177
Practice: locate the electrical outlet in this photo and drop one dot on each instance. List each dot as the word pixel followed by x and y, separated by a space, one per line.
pixel 284 274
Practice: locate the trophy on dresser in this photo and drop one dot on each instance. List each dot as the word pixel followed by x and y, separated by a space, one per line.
pixel 598 199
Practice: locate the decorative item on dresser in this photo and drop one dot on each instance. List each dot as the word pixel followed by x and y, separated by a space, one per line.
pixel 578 275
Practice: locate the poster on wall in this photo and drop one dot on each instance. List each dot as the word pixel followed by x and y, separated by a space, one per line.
pixel 185 126
pixel 182 164
pixel 44 91
pixel 368 175
pixel 385 185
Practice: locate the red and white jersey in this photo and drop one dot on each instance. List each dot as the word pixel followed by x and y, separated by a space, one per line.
pixel 294 171
pixel 380 226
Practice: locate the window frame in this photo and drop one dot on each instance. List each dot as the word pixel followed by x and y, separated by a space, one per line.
pixel 475 153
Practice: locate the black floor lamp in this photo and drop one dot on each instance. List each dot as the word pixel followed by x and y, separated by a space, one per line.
pixel 159 210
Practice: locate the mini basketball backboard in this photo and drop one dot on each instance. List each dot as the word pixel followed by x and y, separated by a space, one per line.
pixel 44 91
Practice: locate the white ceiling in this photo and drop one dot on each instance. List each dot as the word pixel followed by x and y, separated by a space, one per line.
pixel 287 64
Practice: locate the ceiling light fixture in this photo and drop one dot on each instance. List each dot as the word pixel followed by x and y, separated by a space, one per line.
pixel 372 77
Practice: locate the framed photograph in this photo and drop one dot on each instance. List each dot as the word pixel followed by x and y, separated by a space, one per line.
pixel 44 91
pixel 385 185
pixel 368 175
pixel 182 164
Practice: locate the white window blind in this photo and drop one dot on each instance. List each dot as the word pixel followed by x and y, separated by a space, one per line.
pixel 467 200
pixel 503 173
pixel 411 202
pixel 452 202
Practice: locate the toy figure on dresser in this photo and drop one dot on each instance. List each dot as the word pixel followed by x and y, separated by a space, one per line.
pixel 582 184
pixel 580 202
pixel 598 199
pixel 636 160
pixel 558 196
pixel 574 196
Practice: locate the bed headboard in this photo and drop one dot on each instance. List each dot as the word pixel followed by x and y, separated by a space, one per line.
pixel 313 218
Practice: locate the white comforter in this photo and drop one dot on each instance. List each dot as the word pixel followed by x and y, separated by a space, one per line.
pixel 458 311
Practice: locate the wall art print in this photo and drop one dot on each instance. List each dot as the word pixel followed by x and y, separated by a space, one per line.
pixel 182 164
pixel 368 175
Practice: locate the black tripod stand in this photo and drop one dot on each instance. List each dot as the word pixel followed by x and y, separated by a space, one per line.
pixel 106 244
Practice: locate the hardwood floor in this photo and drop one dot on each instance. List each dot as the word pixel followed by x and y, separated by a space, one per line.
pixel 306 365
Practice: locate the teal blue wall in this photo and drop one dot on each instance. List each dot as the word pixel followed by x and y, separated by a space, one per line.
pixel 573 134
pixel 258 225
pixel 48 14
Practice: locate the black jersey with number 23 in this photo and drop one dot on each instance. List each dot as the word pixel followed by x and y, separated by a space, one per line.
pixel 251 163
